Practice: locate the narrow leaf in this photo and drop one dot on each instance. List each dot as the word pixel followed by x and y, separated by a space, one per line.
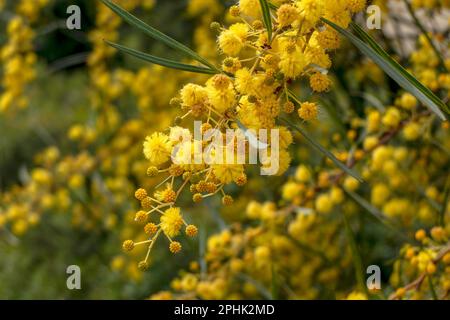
pixel 444 203
pixel 327 153
pixel 156 34
pixel 433 290
pixel 334 115
pixel 374 45
pixel 375 213
pixel 357 260
pixel 370 48
pixel 273 6
pixel 266 17
pixel 161 61
pixel 275 287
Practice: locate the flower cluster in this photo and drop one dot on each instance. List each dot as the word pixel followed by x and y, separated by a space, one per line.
pixel 17 55
pixel 390 144
pixel 253 90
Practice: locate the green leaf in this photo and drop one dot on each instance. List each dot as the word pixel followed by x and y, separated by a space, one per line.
pixel 375 213
pixel 367 45
pixel 444 203
pixel 156 34
pixel 266 17
pixel 432 289
pixel 357 260
pixel 327 153
pixel 366 205
pixel 275 288
pixel 334 115
pixel 272 6
pixel 161 61
pixel 309 250
pixel 426 35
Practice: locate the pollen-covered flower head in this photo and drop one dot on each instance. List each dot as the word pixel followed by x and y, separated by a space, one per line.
pixel 166 195
pixel 157 148
pixel 319 82
pixel 171 222
pixel 250 8
pixel 243 81
pixel 227 173
pixel 221 93
pixel 276 163
pixel 293 60
pixel 193 94
pixel 179 134
pixel 336 11
pixel 240 30
pixel 230 43
pixel 356 5
pixel 308 111
pixel 310 11
pixel 287 14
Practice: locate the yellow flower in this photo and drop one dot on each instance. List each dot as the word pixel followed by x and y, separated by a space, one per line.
pixel 356 296
pixel 380 193
pixel 171 222
pixel 319 82
pixel 293 62
pixel 251 8
pixel 244 82
pixel 311 10
pixel 324 204
pixel 193 94
pixel 408 101
pixel 227 173
pixel 191 230
pixel 291 190
pixel 302 174
pixel 166 195
pixel 392 117
pixel 308 111
pixel 157 148
pixel 230 43
pixel 175 247
pixel 351 183
pixel 411 131
pixel 328 39
pixel 286 15
pixel 221 93
pixel 356 5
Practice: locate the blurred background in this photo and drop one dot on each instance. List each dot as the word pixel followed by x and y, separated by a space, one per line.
pixel 60 118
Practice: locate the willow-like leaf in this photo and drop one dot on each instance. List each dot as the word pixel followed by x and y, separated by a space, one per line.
pixel 439 105
pixel 367 45
pixel 334 115
pixel 156 34
pixel 266 17
pixel 444 203
pixel 324 151
pixel 275 287
pixel 357 260
pixel 161 61
pixel 376 213
pixel 273 6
